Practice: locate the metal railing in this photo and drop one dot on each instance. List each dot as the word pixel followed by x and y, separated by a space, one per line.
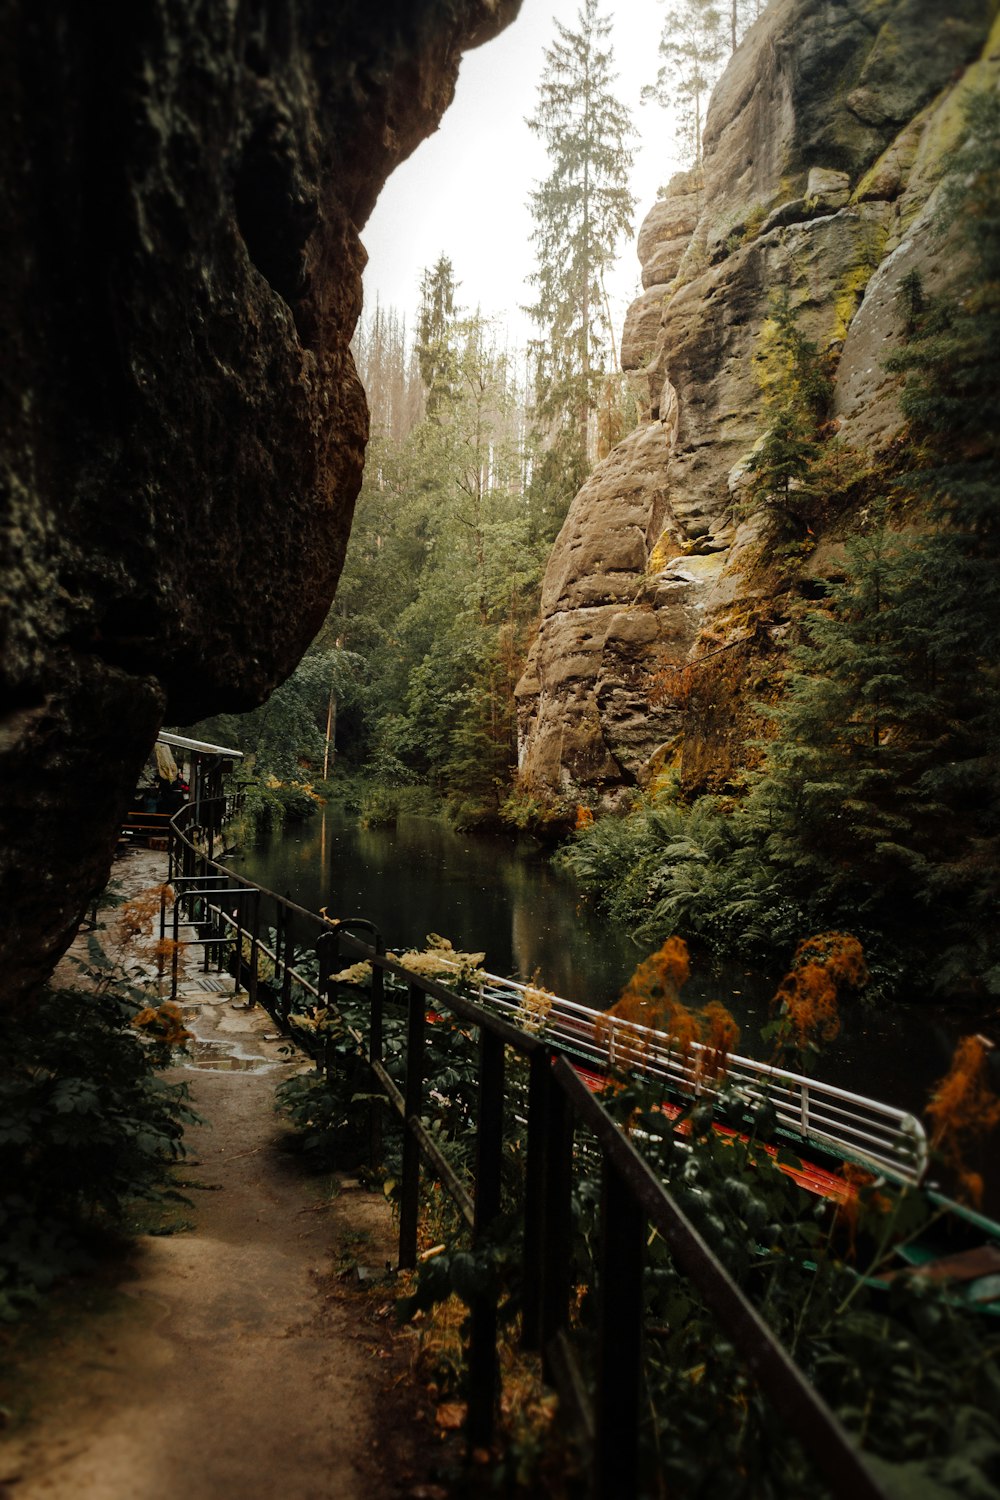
pixel 558 1105
pixel 890 1141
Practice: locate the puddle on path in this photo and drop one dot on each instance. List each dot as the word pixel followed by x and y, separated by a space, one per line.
pixel 213 1057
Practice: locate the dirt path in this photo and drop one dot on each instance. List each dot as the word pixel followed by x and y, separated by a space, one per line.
pixel 234 1360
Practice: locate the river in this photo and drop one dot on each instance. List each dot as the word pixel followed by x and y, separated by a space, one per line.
pixel 503 897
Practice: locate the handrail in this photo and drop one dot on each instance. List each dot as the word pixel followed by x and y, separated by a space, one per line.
pixel 633 1198
pixel 890 1141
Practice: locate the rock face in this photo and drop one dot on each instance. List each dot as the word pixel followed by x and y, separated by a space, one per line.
pixel 183 185
pixel 664 609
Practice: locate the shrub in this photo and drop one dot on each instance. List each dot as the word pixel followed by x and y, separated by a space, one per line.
pixel 86 1127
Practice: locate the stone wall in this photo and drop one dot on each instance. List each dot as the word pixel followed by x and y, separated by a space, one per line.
pixel 823 145
pixel 183 182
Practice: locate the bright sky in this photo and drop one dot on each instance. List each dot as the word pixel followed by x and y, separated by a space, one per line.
pixel 464 191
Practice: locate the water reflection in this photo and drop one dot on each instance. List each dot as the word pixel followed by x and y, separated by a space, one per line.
pixel 504 898
pixel 488 895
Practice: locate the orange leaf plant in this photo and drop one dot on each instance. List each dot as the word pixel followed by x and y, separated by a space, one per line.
pixel 651 1000
pixel 963 1109
pixel 806 999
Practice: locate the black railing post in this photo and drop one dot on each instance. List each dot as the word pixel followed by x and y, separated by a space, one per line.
pixel 254 948
pixel 409 1204
pixel 483 1366
pixel 327 964
pixel 557 1230
pixel 280 920
pixel 175 950
pixel 288 964
pixel 619 1340
pixel 237 931
pixel 206 928
pixel 539 1083
pixel 376 1055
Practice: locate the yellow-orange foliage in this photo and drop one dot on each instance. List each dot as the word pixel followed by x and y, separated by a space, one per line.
pixel 721 1036
pixel 164 950
pixel 807 996
pixel 963 1109
pixel 584 816
pixel 164 1022
pixel 652 994
pixel 672 685
pixel 652 999
pixel 137 916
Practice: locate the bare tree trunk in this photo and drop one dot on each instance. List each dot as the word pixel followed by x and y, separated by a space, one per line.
pixel 331 728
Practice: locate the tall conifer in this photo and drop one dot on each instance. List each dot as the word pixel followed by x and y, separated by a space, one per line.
pixel 693 51
pixel 436 319
pixel 581 210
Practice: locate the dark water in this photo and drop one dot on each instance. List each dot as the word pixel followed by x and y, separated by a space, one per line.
pixel 484 894
pixel 504 897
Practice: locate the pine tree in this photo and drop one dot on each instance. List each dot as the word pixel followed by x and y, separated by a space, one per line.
pixel 797 391
pixel 436 320
pixel 693 50
pixel 581 210
pixel 841 804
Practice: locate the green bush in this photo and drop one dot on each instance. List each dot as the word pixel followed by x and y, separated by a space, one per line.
pixel 382 806
pixel 86 1127
pixel 296 803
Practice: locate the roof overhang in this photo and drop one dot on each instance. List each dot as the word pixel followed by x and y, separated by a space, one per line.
pixel 179 742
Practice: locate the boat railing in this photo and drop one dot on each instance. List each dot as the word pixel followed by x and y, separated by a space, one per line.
pixel 889 1141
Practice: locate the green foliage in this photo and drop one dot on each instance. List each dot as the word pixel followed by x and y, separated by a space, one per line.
pixel 266 808
pixel 381 806
pixel 440 587
pixel 910 1372
pixel 581 210
pixel 841 795
pixel 287 733
pixel 536 809
pixel 86 1128
pixel 797 392
pixel 326 1107
pixel 695 870
pixel 692 49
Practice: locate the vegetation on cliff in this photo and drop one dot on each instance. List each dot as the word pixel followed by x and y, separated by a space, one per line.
pixel 875 805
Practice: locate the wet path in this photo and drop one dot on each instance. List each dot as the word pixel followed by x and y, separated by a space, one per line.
pixel 226 1364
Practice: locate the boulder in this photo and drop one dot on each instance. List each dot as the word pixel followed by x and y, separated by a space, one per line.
pixel 183 187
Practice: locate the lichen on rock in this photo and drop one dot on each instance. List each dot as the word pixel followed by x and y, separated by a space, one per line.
pixel 824 142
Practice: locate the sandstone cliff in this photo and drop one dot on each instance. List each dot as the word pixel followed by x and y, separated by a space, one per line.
pixel 183 184
pixel 665 609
